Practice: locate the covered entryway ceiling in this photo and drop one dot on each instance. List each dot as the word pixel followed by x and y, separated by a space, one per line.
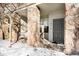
pixel 47 8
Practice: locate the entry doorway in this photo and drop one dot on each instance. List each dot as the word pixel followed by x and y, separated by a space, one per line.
pixel 58 30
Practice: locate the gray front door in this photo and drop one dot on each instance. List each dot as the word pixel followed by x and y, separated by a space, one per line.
pixel 58 30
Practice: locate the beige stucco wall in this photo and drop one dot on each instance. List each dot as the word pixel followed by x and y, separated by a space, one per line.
pixel 57 14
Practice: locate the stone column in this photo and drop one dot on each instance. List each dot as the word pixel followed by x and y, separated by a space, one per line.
pixel 15 27
pixel 5 27
pixel 1 34
pixel 33 26
pixel 72 28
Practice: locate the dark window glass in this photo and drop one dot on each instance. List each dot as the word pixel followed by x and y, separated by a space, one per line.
pixel 46 28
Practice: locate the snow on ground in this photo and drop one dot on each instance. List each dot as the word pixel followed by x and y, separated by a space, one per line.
pixel 22 49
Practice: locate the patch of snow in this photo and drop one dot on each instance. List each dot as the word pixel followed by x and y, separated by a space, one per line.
pixel 22 49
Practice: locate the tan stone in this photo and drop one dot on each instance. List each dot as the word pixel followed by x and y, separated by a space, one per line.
pixel 5 28
pixel 1 34
pixel 71 29
pixel 14 36
pixel 33 27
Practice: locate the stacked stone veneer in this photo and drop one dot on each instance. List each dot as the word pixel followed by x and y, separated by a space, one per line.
pixel 72 28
